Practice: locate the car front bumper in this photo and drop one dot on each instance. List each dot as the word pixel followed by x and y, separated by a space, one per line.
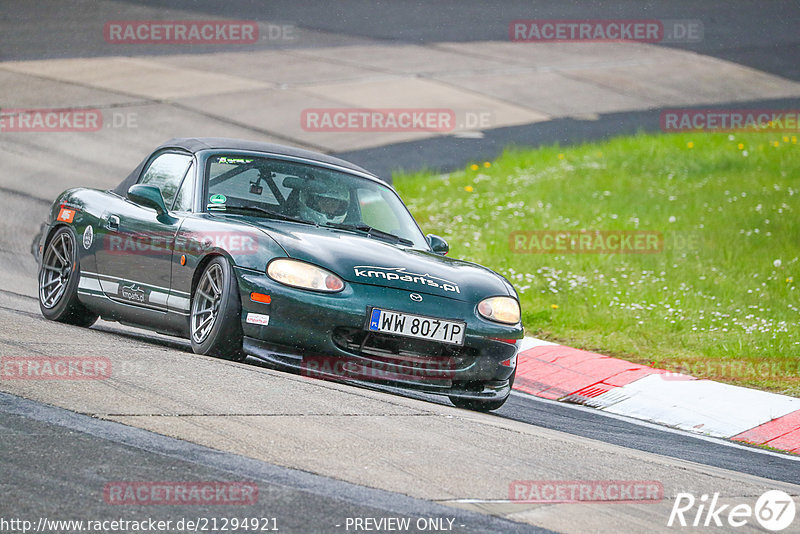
pixel 323 335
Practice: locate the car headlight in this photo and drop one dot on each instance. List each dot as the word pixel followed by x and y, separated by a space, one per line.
pixel 304 275
pixel 500 309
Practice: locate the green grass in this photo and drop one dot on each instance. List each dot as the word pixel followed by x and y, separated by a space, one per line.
pixel 719 301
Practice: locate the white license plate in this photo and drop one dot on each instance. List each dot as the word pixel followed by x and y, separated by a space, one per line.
pixel 418 326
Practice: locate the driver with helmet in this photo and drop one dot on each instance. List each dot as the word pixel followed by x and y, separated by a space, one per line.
pixel 324 207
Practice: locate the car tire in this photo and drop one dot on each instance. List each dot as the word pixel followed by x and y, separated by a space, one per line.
pixel 215 325
pixel 59 275
pixel 478 405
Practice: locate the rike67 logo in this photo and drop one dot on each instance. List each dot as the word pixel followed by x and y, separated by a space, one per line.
pixel 774 510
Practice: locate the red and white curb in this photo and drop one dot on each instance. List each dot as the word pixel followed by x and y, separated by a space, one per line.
pixel 617 386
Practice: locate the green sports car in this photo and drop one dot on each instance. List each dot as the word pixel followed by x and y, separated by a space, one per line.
pixel 299 259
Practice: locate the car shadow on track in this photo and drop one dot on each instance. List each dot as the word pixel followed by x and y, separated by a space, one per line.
pixel 183 345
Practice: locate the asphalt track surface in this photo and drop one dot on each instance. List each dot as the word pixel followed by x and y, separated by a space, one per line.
pixel 74 477
pixel 758 34
pixel 54 462
pixel 448 153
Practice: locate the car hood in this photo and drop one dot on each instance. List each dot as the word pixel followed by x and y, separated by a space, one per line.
pixel 366 260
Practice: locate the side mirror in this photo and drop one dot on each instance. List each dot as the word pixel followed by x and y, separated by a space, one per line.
pixel 148 196
pixel 438 244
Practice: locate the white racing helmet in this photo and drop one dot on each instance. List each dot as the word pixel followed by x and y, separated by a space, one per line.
pixel 324 207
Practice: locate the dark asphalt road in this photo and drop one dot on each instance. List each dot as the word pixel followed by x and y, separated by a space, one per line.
pixel 760 34
pixel 593 424
pixel 62 461
pixel 54 463
pixel 590 424
pixel 448 153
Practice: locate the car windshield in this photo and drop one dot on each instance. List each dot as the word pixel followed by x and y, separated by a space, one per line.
pixel 286 190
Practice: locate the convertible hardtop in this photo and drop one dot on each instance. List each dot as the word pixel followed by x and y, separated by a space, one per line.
pixel 196 144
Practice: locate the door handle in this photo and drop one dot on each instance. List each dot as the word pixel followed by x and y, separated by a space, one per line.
pixel 112 223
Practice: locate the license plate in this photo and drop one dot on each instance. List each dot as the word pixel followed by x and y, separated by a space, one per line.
pixel 417 326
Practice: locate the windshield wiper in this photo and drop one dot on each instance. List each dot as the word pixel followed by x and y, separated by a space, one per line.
pixel 369 230
pixel 269 213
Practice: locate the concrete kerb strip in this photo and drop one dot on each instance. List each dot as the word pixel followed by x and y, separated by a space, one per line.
pixel 557 372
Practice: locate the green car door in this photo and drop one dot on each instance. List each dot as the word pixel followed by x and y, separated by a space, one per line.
pixel 134 260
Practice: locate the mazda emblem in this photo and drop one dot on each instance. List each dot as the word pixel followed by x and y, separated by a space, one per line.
pixel 416 297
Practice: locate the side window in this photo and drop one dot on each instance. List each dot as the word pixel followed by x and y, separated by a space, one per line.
pixel 166 173
pixel 183 202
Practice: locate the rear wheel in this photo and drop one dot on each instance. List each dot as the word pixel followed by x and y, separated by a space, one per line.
pixel 215 323
pixel 59 275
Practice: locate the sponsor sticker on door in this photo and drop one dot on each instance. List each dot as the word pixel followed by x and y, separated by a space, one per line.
pixel 257 318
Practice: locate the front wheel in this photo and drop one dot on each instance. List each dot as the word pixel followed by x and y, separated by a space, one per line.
pixel 59 275
pixel 478 405
pixel 215 322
